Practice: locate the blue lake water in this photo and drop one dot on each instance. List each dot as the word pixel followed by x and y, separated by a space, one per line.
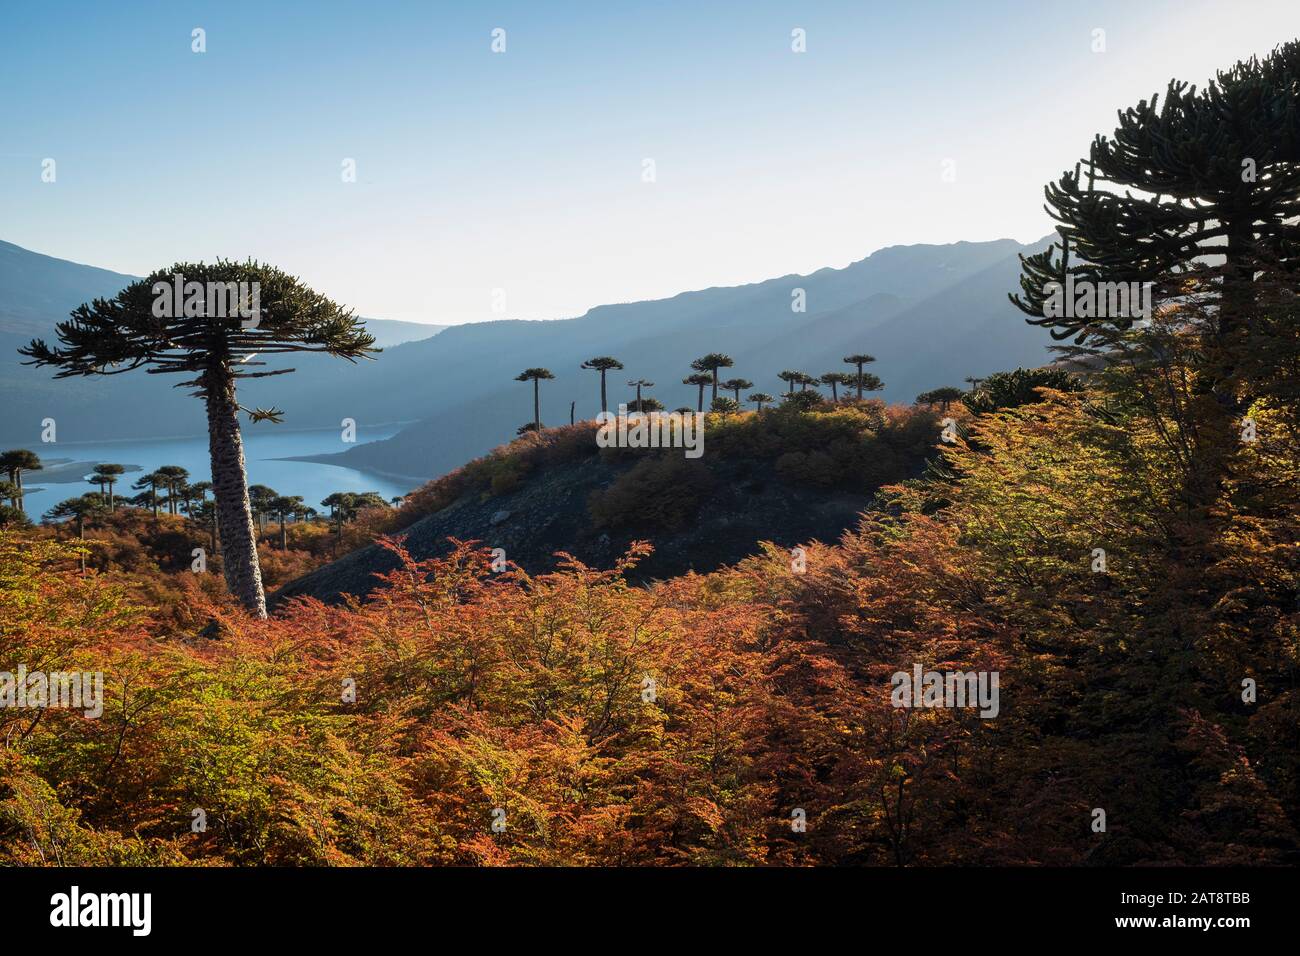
pixel 263 443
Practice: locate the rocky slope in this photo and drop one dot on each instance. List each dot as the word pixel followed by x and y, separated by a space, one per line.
pixel 780 477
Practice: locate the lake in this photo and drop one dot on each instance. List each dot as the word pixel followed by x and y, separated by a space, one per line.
pixel 263 444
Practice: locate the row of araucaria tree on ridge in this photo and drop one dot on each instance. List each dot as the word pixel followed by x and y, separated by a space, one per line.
pixel 705 374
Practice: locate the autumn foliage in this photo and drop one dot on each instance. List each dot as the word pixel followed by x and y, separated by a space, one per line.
pixel 697 721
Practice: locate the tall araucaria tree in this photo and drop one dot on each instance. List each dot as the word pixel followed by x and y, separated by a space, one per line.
pixel 13 463
pixel 1198 196
pixel 603 364
pixel 536 375
pixel 638 384
pixel 211 325
pixel 859 359
pixel 259 502
pixel 835 379
pixel 943 397
pixel 711 363
pixel 700 380
pixel 285 505
pixel 106 476
pixel 173 477
pixel 735 386
pixel 1205 184
pixel 151 483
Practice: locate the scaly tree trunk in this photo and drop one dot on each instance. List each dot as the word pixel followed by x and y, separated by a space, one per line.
pixel 230 492
pixel 537 406
pixel 603 406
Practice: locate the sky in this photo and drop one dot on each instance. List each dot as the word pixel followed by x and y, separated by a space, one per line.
pixel 514 184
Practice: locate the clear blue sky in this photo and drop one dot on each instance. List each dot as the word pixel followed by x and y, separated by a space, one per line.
pixel 522 171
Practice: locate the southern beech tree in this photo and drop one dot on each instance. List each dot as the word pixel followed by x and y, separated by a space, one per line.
pixel 113 336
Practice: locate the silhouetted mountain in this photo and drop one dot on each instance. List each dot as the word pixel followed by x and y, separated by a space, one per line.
pixel 932 315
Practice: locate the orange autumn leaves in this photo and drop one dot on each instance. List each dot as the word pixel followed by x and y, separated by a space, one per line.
pixel 743 717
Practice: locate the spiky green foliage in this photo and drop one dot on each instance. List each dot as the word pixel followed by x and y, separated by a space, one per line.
pixel 1020 387
pixel 1214 171
pixel 214 344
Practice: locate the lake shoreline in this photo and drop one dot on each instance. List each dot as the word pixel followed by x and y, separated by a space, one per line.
pixel 293 462
pixel 325 460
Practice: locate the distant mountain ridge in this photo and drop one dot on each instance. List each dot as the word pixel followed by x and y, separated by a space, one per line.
pixel 931 314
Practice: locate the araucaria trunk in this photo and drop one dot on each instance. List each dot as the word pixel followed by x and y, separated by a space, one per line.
pixel 230 491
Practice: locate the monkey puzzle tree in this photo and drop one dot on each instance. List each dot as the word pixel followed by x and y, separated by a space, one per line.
pixel 760 399
pixel 735 385
pixel 1020 387
pixel 105 476
pixel 700 381
pixel 217 345
pixel 791 379
pixel 868 382
pixel 1205 185
pixel 711 363
pixel 1199 197
pixel 860 359
pixel 536 375
pixel 283 506
pixel 151 483
pixel 638 384
pixel 259 502
pixel 13 463
pixel 943 397
pixel 206 515
pixel 172 478
pixel 724 406
pixel 602 364
pixel 834 379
